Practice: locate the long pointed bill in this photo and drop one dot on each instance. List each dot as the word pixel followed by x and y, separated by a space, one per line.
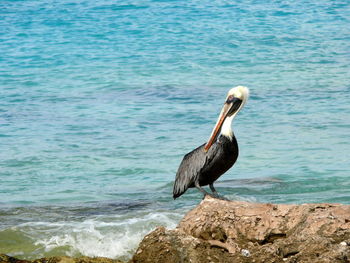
pixel 214 134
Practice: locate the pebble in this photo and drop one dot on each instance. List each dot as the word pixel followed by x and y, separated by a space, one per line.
pixel 245 252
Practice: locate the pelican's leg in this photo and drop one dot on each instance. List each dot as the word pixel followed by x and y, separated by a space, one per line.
pixel 215 193
pixel 213 190
pixel 203 191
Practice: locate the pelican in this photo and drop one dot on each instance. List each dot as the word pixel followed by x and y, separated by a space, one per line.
pixel 205 164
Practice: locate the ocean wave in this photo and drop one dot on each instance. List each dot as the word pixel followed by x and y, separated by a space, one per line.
pixel 112 237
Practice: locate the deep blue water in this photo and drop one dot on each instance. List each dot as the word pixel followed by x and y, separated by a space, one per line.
pixel 99 101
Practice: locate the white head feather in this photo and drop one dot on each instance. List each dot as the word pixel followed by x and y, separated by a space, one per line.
pixel 241 93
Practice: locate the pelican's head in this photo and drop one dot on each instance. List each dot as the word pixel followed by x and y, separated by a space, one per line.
pixel 235 100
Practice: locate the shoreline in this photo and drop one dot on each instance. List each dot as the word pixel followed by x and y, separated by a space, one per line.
pixel 238 231
pixel 59 259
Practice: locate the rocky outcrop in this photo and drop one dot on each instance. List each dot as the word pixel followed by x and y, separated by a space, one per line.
pixel 232 231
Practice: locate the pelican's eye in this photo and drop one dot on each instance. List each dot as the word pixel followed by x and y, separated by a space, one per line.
pixel 230 99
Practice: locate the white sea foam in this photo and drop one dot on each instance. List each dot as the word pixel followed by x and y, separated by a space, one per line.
pixel 95 237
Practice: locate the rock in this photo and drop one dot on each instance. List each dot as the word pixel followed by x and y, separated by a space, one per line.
pixel 235 231
pixel 7 259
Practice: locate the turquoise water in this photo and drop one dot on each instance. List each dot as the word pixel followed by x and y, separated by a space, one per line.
pixel 101 99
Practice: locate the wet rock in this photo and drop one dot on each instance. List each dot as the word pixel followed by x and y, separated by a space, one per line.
pixel 232 231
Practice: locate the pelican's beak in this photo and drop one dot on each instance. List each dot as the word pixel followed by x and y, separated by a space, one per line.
pixel 231 106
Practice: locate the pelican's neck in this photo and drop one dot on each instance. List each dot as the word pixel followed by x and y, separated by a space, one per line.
pixel 226 128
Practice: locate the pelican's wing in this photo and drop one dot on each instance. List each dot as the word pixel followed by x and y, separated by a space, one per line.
pixel 189 169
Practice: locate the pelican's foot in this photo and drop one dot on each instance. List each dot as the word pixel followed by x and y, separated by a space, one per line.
pixel 216 196
pixel 221 197
pixel 207 194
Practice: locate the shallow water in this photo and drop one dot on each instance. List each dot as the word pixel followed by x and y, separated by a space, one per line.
pixel 100 101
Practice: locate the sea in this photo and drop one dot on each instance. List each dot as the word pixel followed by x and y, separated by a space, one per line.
pixel 100 100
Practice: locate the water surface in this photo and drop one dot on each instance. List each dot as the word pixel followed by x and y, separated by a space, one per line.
pixel 101 99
